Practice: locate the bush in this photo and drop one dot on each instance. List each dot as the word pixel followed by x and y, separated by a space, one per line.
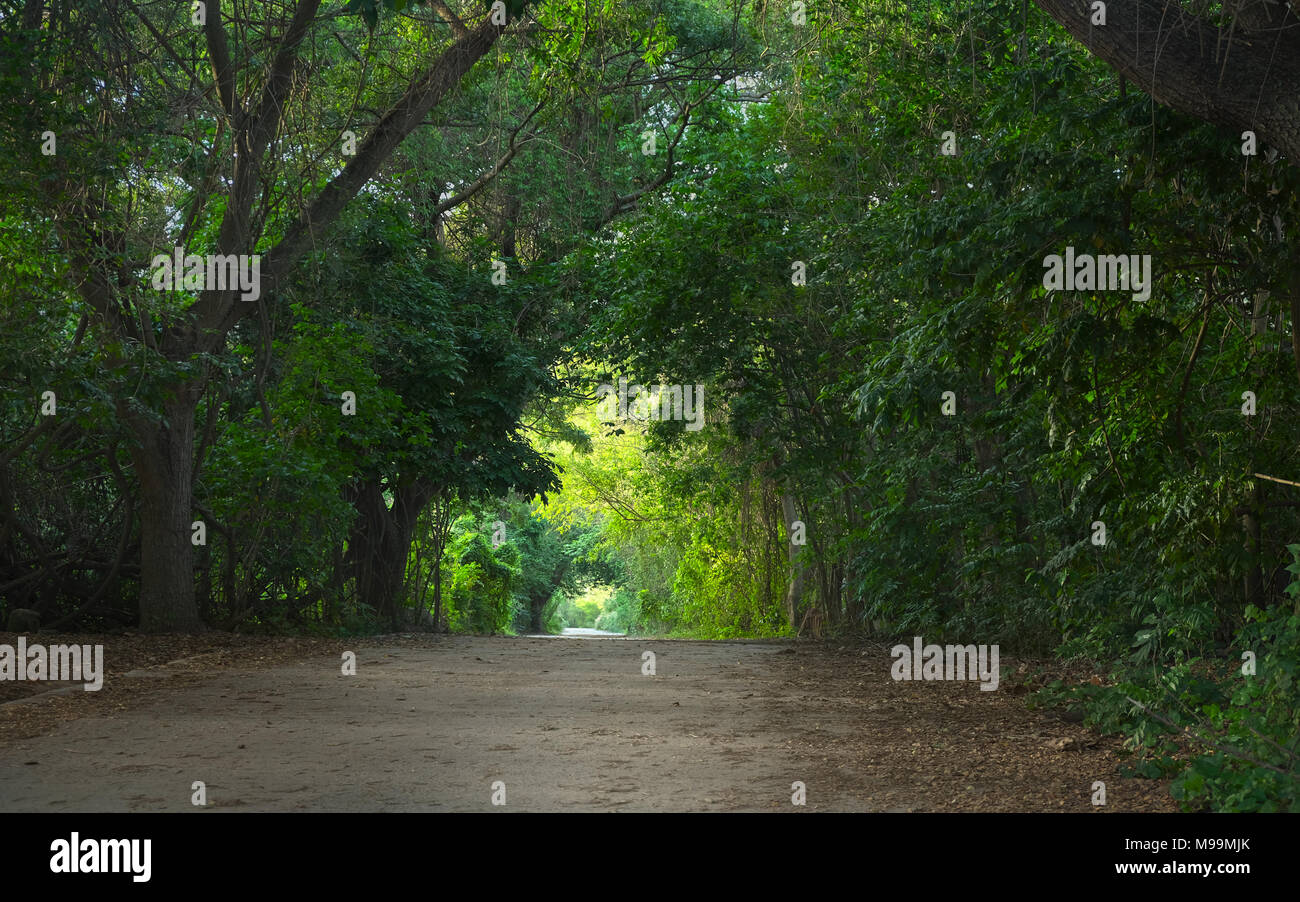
pixel 480 596
pixel 1228 736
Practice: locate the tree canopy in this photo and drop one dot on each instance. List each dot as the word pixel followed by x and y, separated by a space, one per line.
pixel 687 317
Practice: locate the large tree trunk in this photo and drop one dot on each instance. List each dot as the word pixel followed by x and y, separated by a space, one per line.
pixel 382 543
pixel 164 464
pixel 1244 76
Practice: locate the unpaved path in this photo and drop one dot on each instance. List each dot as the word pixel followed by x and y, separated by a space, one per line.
pixel 569 724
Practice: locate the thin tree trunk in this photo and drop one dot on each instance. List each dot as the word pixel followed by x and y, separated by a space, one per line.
pixel 794 594
pixel 441 526
pixel 1252 522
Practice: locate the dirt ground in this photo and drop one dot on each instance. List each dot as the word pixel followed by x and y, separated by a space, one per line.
pixel 566 724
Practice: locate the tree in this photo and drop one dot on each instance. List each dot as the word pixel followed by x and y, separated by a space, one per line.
pixel 246 105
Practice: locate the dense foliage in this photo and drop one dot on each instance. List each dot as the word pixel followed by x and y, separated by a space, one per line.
pixel 832 224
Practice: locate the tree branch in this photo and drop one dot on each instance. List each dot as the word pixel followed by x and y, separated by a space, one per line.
pixel 457 26
pixel 223 74
pixel 221 313
pixel 479 183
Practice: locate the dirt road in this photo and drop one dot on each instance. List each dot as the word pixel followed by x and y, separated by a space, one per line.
pixel 568 724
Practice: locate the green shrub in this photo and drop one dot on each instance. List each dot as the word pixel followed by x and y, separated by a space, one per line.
pixel 479 585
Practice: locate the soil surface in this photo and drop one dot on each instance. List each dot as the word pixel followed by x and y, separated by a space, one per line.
pixel 557 724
